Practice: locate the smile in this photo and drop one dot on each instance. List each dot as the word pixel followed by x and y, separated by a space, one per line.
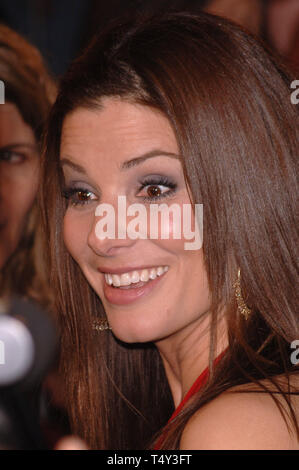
pixel 134 277
pixel 121 289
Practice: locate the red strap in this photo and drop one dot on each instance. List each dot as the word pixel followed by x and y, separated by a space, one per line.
pixel 199 382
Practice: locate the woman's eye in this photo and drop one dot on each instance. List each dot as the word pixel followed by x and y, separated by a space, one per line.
pixel 155 191
pixel 151 190
pixel 78 196
pixel 11 157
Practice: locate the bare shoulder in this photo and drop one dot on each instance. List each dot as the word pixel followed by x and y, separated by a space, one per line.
pixel 241 420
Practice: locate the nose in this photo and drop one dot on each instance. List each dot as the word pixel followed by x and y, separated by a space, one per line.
pixel 108 234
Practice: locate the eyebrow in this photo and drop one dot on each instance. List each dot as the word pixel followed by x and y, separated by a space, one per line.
pixel 16 146
pixel 75 166
pixel 151 154
pixel 127 164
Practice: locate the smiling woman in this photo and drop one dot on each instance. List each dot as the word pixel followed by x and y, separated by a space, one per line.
pixel 176 110
pixel 112 135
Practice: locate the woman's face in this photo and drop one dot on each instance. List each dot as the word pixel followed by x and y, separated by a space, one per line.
pixel 18 177
pixel 96 146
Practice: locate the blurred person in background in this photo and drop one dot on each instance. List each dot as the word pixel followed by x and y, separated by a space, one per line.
pixel 283 29
pixel 276 21
pixel 247 13
pixel 29 92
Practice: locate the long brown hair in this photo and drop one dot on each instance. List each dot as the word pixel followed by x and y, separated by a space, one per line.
pixel 228 101
pixel 28 85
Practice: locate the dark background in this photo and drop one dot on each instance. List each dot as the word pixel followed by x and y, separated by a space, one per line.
pixel 61 28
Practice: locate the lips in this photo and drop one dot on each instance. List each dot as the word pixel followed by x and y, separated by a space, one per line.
pixel 127 294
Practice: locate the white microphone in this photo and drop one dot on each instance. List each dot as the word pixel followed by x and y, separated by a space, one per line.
pixel 28 347
pixel 16 350
pixel 28 343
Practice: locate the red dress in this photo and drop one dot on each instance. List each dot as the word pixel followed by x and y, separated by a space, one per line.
pixel 199 382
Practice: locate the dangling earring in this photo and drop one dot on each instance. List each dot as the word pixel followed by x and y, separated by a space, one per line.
pixel 242 307
pixel 101 325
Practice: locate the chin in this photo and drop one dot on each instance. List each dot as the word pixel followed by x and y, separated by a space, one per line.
pixel 129 337
pixel 130 333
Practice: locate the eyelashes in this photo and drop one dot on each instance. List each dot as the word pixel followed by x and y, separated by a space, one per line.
pixel 12 157
pixel 77 196
pixel 157 188
pixel 154 184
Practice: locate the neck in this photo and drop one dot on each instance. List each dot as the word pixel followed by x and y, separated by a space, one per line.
pixel 185 355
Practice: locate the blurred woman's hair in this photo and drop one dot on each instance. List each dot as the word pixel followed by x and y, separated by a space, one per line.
pixel 30 88
pixel 228 101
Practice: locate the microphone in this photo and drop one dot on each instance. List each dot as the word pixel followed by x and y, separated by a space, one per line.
pixel 28 348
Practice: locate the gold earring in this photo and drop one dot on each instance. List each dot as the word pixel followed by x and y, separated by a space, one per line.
pixel 242 307
pixel 101 325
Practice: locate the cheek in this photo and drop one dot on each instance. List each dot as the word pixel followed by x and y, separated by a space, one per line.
pixel 192 293
pixel 179 224
pixel 27 195
pixel 17 197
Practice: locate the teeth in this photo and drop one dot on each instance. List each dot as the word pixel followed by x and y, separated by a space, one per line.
pixel 153 273
pixel 115 280
pixel 144 275
pixel 126 279
pixel 160 271
pixel 134 277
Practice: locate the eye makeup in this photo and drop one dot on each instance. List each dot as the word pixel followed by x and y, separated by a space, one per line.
pixel 154 183
pixel 78 196
pixel 157 187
